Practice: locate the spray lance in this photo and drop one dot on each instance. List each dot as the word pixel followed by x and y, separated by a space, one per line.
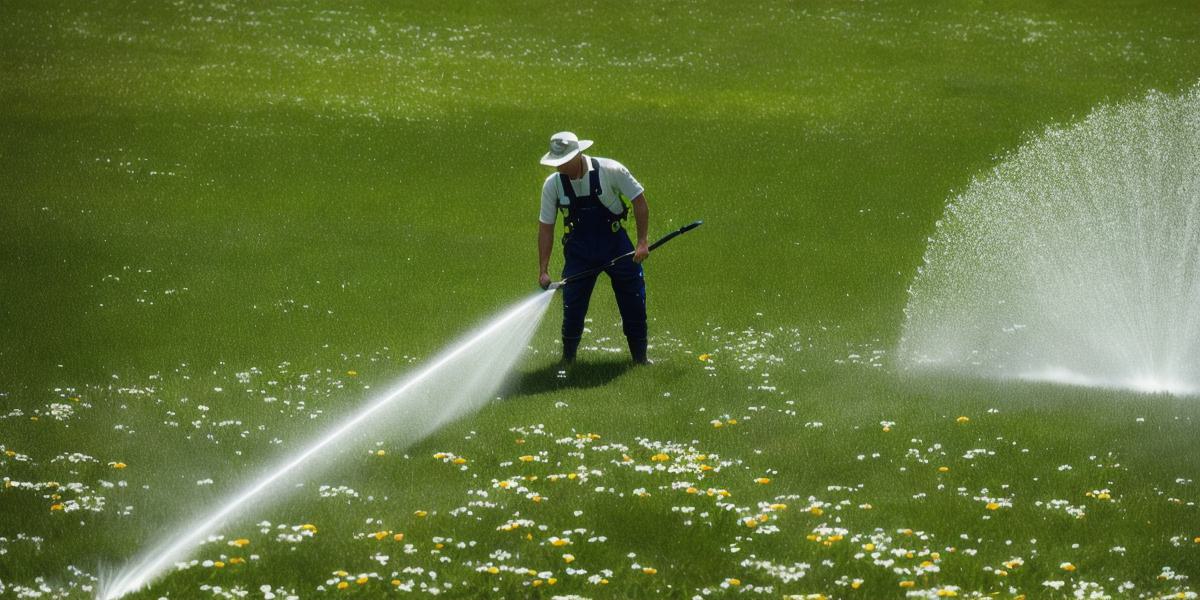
pixel 591 272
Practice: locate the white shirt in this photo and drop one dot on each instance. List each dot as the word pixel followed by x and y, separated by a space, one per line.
pixel 615 181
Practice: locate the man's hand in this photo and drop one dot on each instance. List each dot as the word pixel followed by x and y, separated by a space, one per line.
pixel 544 280
pixel 641 252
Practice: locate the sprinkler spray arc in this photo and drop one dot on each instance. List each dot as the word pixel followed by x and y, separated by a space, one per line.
pixel 588 273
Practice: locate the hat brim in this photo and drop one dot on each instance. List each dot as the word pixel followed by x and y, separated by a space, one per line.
pixel 550 160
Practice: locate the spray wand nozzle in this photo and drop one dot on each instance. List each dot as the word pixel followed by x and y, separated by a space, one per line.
pixel 590 272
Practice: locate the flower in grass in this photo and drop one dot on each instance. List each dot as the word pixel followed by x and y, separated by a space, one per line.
pixel 117 465
pixel 54 507
pixel 992 506
pixel 352 373
pixel 733 581
pixel 660 457
pixel 343 585
pixel 963 420
pixel 558 542
pixel 399 537
pixel 525 458
pixel 1068 567
pixel 943 469
pixel 907 583
pixel 762 480
pixel 750 522
pixel 705 357
pixel 947 592
pixel 308 527
pixel 380 452
pixel 649 570
pixel 362 580
pixel 420 514
pixel 568 558
pixel 459 461
pixel 493 570
pixel 218 565
pixel 240 543
pixel 237 560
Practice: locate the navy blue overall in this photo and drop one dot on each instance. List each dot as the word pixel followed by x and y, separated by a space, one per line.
pixel 594 237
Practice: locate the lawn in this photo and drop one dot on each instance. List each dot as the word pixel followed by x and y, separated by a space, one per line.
pixel 226 226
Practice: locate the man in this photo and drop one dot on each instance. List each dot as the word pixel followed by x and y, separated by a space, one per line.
pixel 588 191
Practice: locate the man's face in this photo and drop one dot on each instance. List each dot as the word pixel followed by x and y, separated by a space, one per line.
pixel 572 168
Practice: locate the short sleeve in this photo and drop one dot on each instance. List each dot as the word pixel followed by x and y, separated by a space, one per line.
pixel 624 181
pixel 549 202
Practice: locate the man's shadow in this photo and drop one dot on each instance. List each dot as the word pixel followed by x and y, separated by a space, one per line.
pixel 555 377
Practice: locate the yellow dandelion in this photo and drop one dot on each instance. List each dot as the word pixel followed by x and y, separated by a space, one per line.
pixel 857 583
pixel 308 527
pixel 396 582
pixel 649 570
pixel 559 542
pixel 493 570
pixel 525 458
pixel 692 490
pixel 379 535
pixel 887 429
pixel 537 583
pixel 352 373
pixel 520 441
pixel 342 585
pixel 733 581
pixel 717 424
pixel 568 558
pixel 992 506
pixel 661 457
pixel 399 537
pixel 762 480
pixel 869 547
pixel 459 461
pixel 237 560
pixel 380 452
pixel 705 357
pixel 816 511
pixel 420 514
pixel 551 581
pixel 441 455
pixel 750 522
pixel 504 485
pixel 572 476
pixel 946 593
pixel 907 583
pixel 943 469
pixel 603 581
pixel 218 565
pixel 117 465
pixel 439 545
pixel 54 507
pixel 240 542
pixel 962 420
pixel 626 458
pixel 1068 567
pixel 706 467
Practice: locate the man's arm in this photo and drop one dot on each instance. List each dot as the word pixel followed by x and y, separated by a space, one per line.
pixel 641 214
pixel 545 244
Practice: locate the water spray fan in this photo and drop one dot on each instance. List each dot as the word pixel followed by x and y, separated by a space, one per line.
pixel 590 272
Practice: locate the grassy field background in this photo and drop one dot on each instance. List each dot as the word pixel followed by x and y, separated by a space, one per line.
pixel 209 205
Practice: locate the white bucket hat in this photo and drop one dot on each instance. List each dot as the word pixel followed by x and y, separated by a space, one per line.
pixel 564 145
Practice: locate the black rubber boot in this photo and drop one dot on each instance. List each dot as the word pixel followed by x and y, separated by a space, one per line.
pixel 570 347
pixel 637 349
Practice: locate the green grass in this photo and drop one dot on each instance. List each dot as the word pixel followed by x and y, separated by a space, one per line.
pixel 295 192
